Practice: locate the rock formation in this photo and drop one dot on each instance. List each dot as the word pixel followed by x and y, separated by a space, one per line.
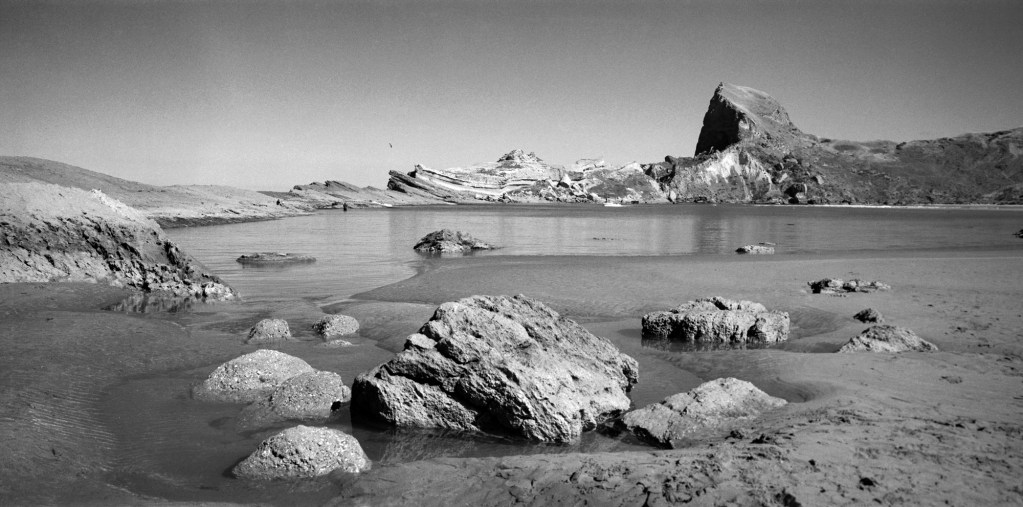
pixel 303 451
pixel 336 325
pixel 54 233
pixel 309 397
pixel 504 365
pixel 885 338
pixel 717 320
pixel 839 286
pixel 250 377
pixel 761 249
pixel 269 331
pixel 712 406
pixel 869 315
pixel 274 259
pixel 447 241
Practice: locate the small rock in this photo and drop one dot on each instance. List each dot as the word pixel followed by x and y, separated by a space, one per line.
pixel 884 338
pixel 269 331
pixel 755 249
pixel 311 397
pixel 250 377
pixel 274 258
pixel 446 240
pixel 869 315
pixel 336 325
pixel 304 451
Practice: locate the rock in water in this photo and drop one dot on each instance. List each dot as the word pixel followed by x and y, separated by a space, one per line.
pixel 713 405
pixel 755 249
pixel 839 286
pixel 312 397
pixel 250 377
pixel 269 331
pixel 336 325
pixel 304 451
pixel 274 259
pixel 505 365
pixel 884 338
pixel 718 320
pixel 449 241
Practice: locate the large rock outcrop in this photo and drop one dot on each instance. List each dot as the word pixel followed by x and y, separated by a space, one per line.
pixel 717 320
pixel 505 365
pixel 304 451
pixel 448 241
pixel 54 233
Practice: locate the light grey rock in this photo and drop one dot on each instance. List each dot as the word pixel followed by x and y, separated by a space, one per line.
pixel 505 365
pixel 712 406
pixel 308 397
pixel 269 331
pixel 755 249
pixel 885 338
pixel 304 451
pixel 336 325
pixel 447 241
pixel 250 377
pixel 839 286
pixel 717 320
pixel 869 315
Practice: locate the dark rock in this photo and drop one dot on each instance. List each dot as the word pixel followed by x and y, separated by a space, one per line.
pixel 1018 234
pixel 711 407
pixel 717 320
pixel 250 377
pixel 303 451
pixel 275 259
pixel 839 286
pixel 755 249
pixel 310 397
pixel 269 331
pixel 449 241
pixel 869 315
pixel 336 325
pixel 501 365
pixel 884 338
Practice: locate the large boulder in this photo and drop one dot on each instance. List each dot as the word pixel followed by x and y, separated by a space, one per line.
pixel 885 338
pixel 445 241
pixel 718 320
pixel 311 397
pixel 250 377
pixel 336 325
pixel 269 331
pixel 505 365
pixel 712 406
pixel 304 451
pixel 839 286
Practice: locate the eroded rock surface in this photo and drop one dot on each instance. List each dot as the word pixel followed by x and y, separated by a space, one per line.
pixel 304 451
pixel 839 286
pixel 717 320
pixel 885 338
pixel 311 397
pixel 506 365
pixel 713 405
pixel 269 331
pixel 336 325
pixel 448 241
pixel 250 377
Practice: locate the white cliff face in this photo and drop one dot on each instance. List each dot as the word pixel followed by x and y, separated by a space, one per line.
pixel 514 171
pixel 731 173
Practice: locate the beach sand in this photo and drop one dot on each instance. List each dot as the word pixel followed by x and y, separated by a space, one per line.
pixel 911 428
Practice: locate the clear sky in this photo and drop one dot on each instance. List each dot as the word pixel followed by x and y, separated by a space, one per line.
pixel 265 95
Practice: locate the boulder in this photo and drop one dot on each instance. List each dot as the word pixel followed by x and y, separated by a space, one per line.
pixel 503 365
pixel 717 320
pixel 250 377
pixel 713 406
pixel 869 315
pixel 446 240
pixel 312 397
pixel 884 338
pixel 839 286
pixel 336 325
pixel 269 331
pixel 303 451
pixel 274 259
pixel 760 249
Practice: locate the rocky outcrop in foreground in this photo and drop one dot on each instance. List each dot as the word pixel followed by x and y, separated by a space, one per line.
pixel 504 365
pixel 712 406
pixel 304 451
pixel 717 320
pixel 53 233
pixel 885 338
pixel 447 241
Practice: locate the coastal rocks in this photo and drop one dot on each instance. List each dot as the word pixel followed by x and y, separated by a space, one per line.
pixel 52 233
pixel 303 451
pixel 838 286
pixel 717 320
pixel 516 171
pixel 269 331
pixel 761 249
pixel 274 259
pixel 884 338
pixel 447 241
pixel 498 364
pixel 250 377
pixel 869 315
pixel 336 325
pixel 310 397
pixel 713 405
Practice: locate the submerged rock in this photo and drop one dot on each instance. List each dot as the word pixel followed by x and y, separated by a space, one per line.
pixel 274 259
pixel 714 405
pixel 761 249
pixel 885 338
pixel 446 240
pixel 336 325
pixel 269 331
pixel 869 315
pixel 303 451
pixel 839 286
pixel 498 364
pixel 311 397
pixel 250 377
pixel 717 320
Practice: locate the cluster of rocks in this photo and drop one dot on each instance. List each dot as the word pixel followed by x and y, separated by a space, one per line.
pixel 717 320
pixel 448 241
pixel 274 259
pixel 834 286
pixel 330 327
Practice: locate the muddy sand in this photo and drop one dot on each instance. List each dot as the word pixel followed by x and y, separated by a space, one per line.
pixel 911 428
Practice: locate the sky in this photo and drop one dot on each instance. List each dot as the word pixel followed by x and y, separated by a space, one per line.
pixel 266 95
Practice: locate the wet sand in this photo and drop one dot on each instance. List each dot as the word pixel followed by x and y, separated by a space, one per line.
pixel 910 428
